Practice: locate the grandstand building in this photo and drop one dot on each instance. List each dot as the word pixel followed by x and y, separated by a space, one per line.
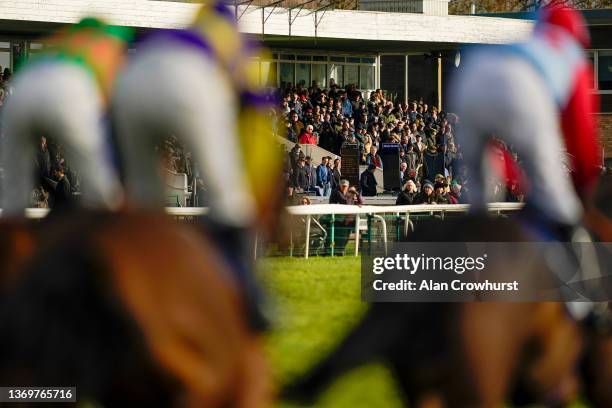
pixel 408 48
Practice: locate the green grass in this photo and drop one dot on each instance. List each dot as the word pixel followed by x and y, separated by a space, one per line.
pixel 314 303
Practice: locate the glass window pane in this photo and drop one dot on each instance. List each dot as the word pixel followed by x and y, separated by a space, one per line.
pixel 5 59
pixel 369 60
pixel 604 70
pixel 286 73
pixel 287 57
pixel 304 58
pixel 302 74
pixel 319 58
pixel 337 74
pixel 591 58
pixel 351 59
pixel 366 77
pixel 5 44
pixel 319 74
pixel 337 59
pixel 351 74
pixel 268 73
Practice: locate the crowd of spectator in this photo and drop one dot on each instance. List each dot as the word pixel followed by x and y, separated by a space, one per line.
pixel 332 118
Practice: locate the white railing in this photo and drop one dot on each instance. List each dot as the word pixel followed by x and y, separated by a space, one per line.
pixel 399 210
pixel 308 211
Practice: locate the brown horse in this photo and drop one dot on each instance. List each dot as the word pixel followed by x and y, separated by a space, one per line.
pixel 472 354
pixel 132 309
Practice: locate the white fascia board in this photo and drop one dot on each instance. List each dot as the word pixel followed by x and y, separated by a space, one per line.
pixel 340 24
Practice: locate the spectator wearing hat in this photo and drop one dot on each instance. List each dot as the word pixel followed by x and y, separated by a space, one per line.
pixel 442 197
pixel 456 195
pixel 338 196
pixel 408 195
pixel 307 137
pixel 427 195
pixel 367 182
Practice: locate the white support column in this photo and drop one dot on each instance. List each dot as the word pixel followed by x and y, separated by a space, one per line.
pixel 406 78
pixel 377 72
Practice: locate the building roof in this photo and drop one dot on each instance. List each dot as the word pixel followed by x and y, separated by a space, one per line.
pixel 336 28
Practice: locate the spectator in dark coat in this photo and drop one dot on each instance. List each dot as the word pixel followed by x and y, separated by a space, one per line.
pixel 63 194
pixel 311 174
pixel 367 182
pixel 338 196
pixel 442 196
pixel 336 174
pixel 408 195
pixel 343 224
pixel 456 195
pixel 427 195
pixel 301 177
pixel 43 159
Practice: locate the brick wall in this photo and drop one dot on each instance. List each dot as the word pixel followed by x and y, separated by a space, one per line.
pixel 605 132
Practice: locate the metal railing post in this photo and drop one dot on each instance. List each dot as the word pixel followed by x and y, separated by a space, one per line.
pixel 307 246
pixel 332 234
pixel 357 219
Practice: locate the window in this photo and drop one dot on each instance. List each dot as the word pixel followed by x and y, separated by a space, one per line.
pixel 5 54
pixel 302 74
pixel 5 59
pixel 604 70
pixel 319 74
pixel 337 74
pixel 591 58
pixel 366 77
pixel 351 74
pixel 306 68
pixel 287 71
